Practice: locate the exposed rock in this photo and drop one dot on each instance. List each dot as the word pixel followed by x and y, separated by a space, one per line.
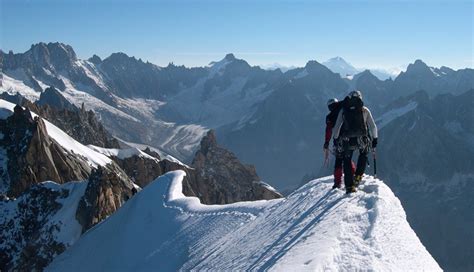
pixel 33 156
pixel 28 237
pixel 216 175
pixel 108 188
pixel 152 153
pixel 141 170
pixel 80 124
pixel 221 178
pixel 95 59
pixel 55 99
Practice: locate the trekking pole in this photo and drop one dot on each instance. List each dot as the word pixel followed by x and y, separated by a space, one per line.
pixel 326 157
pixel 375 163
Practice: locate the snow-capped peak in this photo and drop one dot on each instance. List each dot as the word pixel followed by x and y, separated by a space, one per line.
pixel 314 228
pixel 217 67
pixel 339 65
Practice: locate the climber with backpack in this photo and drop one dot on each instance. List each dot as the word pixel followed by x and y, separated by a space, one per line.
pixel 351 132
pixel 334 107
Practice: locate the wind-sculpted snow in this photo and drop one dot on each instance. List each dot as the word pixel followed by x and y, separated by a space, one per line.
pixel 315 228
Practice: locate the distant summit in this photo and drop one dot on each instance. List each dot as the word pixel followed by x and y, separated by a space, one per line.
pixel 347 70
pixel 341 66
pixel 229 56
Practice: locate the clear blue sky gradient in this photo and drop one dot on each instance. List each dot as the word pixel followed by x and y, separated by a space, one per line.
pixel 366 33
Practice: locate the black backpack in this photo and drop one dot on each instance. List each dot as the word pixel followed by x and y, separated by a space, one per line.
pixel 354 124
pixel 332 116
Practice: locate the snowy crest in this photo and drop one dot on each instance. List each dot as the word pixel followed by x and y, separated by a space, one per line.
pixel 314 228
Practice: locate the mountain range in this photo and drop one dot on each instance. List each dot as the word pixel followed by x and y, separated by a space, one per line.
pixel 345 69
pixel 275 120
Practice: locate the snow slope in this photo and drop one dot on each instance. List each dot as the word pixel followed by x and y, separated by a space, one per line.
pixel 393 114
pixel 314 228
pixel 93 158
pixel 121 153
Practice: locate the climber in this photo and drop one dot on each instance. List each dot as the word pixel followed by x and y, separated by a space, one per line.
pixel 334 107
pixel 351 132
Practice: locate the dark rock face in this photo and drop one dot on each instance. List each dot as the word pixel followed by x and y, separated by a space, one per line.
pixel 35 157
pixel 220 178
pixel 80 124
pixel 108 188
pixel 141 170
pixel 216 176
pixel 152 153
pixel 55 99
pixel 134 78
pixel 27 240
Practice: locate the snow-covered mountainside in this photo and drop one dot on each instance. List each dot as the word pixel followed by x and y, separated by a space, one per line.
pixel 41 218
pixel 314 228
pixel 172 107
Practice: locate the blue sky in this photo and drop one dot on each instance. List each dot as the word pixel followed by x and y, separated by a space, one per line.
pixel 366 33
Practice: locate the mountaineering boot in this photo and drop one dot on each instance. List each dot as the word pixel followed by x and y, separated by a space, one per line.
pixel 357 180
pixel 337 177
pixel 352 189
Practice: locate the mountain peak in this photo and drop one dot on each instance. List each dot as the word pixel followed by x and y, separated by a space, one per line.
pixel 55 99
pixel 95 59
pixel 339 59
pixel 119 55
pixel 418 66
pixel 56 54
pixel 340 66
pixel 367 73
pixel 419 62
pixel 230 57
pixel 55 48
pixel 313 64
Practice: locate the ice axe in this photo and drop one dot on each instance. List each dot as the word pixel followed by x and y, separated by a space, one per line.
pixel 326 157
pixel 375 162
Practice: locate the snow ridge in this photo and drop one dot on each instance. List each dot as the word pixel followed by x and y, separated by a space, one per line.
pixel 315 228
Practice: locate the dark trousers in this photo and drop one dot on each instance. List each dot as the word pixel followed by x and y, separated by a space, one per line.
pixel 338 169
pixel 347 163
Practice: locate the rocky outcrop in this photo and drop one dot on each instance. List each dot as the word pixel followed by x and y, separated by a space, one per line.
pixel 141 170
pixel 29 237
pixel 219 177
pixel 108 188
pixel 80 124
pixel 33 156
pixel 55 99
pixel 216 176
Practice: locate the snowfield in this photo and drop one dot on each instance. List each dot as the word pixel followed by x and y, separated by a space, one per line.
pixel 314 228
